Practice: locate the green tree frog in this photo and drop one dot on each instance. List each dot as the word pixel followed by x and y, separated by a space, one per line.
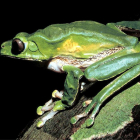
pixel 86 49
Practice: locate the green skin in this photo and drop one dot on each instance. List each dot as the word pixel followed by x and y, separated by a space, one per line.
pixel 81 41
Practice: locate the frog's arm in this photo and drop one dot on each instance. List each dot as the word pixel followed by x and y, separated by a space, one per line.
pixel 129 24
pixel 110 69
pixel 71 88
pixel 128 27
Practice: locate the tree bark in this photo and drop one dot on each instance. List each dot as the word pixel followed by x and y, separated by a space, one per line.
pixel 59 127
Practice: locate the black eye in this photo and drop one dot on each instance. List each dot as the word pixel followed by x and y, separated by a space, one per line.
pixel 17 46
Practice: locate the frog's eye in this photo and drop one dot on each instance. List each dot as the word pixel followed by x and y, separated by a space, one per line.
pixel 17 46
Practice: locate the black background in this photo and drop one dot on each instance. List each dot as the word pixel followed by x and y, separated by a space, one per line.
pixel 23 86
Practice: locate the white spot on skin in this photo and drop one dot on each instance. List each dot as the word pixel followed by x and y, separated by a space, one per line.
pixel 56 65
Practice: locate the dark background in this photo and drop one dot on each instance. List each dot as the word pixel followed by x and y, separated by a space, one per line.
pixel 23 86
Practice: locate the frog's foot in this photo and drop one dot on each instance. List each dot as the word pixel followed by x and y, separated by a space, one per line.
pixel 91 104
pixel 48 106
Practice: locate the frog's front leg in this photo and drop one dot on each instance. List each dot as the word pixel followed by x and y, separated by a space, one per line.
pixel 109 71
pixel 71 88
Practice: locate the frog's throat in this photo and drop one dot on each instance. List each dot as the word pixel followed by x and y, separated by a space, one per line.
pixel 14 57
pixel 58 62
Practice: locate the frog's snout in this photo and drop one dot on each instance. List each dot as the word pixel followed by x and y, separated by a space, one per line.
pixel 12 47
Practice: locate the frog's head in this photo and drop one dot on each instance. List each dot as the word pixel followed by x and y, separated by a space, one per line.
pixel 21 47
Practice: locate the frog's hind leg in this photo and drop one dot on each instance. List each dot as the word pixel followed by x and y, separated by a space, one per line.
pixel 105 93
pixel 129 63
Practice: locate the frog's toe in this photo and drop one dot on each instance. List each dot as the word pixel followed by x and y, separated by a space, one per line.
pixel 39 111
pixel 49 102
pixel 89 122
pixel 73 120
pixel 47 117
pixel 57 94
pixel 91 104
pixel 40 124
pixel 86 103
pixel 42 109
pixel 47 108
pixel 77 117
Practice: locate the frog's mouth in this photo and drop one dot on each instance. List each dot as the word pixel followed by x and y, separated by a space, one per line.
pixel 20 58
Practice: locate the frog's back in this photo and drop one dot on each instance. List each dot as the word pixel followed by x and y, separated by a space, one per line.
pixel 83 39
pixel 87 28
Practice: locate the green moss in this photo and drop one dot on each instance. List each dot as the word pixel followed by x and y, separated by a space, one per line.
pixel 113 116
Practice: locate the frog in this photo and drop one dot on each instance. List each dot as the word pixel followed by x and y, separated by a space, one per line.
pixel 83 50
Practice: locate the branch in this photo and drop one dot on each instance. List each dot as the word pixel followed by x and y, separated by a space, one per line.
pixel 118 119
